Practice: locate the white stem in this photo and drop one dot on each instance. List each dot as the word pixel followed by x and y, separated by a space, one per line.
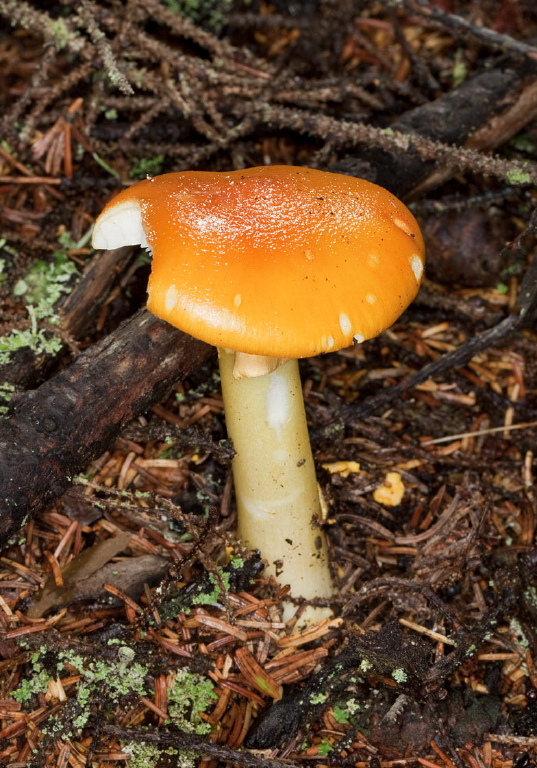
pixel 274 474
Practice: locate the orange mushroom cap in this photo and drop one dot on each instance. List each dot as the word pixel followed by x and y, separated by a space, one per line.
pixel 279 261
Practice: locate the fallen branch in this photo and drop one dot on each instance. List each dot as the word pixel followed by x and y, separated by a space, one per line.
pixel 193 743
pixel 54 432
pixel 460 26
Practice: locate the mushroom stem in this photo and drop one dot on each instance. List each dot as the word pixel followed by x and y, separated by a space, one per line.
pixel 274 474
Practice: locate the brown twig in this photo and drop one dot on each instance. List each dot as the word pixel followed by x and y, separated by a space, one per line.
pixel 461 26
pixel 188 741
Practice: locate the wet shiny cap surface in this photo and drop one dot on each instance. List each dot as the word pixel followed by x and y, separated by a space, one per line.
pixel 278 260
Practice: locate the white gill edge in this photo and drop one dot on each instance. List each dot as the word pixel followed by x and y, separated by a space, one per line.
pixel 118 225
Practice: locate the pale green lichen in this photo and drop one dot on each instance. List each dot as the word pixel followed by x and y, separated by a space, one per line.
pixel 122 676
pixel 33 337
pixel 516 628
pixel 33 685
pixel 44 284
pixel 517 176
pixel 144 755
pixel 41 287
pixel 190 695
pixel 344 714
pixel 399 675
pixel 212 597
pixel 6 393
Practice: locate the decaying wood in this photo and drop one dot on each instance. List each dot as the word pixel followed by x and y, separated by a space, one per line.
pixel 91 292
pixel 54 431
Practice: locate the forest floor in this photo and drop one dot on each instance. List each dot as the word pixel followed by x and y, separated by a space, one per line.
pixel 133 626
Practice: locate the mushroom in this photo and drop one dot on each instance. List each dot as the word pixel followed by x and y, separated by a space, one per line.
pixel 272 264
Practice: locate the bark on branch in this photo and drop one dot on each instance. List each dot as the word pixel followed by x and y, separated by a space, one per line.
pixel 53 432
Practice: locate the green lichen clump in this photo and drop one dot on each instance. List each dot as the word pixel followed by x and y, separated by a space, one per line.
pixel 318 698
pixel 41 289
pixel 101 677
pixel 517 176
pixel 122 676
pixel 399 675
pixel 109 679
pixel 144 755
pixel 37 683
pixel 45 283
pixel 220 585
pixel 189 696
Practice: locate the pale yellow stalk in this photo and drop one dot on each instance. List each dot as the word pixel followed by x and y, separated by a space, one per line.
pixel 274 475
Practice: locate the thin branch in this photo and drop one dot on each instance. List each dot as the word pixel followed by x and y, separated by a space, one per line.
pixel 189 741
pixel 86 14
pixel 460 25
pixel 390 140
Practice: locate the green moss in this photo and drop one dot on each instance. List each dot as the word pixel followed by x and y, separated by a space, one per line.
pixel 146 166
pixel 211 14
